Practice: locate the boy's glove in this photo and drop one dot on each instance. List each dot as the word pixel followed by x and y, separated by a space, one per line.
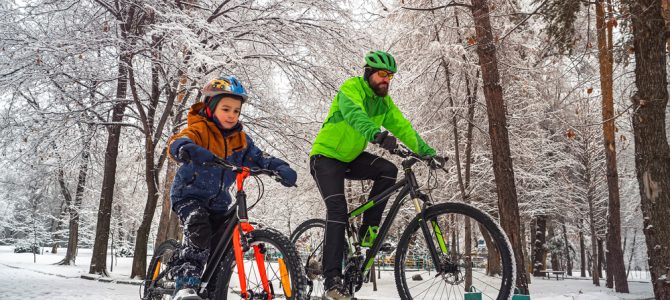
pixel 288 175
pixel 386 141
pixel 193 153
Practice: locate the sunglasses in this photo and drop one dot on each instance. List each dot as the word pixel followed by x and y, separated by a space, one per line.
pixel 384 74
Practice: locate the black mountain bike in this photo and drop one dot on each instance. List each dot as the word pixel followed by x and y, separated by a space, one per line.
pixel 247 263
pixel 427 265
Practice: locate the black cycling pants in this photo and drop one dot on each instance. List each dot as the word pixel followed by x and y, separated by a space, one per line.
pixel 329 175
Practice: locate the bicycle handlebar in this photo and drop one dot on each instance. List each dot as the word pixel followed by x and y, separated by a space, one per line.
pixel 405 152
pixel 253 171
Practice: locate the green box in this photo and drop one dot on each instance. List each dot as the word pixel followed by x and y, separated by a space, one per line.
pixel 518 296
pixel 473 294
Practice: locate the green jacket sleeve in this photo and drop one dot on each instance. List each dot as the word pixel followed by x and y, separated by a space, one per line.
pixel 350 101
pixel 396 123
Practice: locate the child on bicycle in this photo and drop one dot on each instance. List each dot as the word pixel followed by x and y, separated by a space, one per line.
pixel 199 192
pixel 360 107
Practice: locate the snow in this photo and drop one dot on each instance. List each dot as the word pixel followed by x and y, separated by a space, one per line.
pixel 23 279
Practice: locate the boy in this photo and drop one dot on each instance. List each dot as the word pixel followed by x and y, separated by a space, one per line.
pixel 199 192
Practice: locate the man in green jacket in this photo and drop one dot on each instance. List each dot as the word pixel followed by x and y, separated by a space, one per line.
pixel 358 110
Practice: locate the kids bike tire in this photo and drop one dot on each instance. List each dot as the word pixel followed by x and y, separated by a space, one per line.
pixel 291 261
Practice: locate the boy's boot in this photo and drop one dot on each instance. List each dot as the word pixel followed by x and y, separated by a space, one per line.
pixel 335 290
pixel 185 288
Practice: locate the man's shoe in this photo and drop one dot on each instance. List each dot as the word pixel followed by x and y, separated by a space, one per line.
pixel 335 290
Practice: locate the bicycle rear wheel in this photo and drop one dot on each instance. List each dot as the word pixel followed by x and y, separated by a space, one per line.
pixel 308 241
pixel 490 262
pixel 158 283
pixel 285 275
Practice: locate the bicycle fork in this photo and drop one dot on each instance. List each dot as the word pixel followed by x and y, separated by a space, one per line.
pixel 240 246
pixel 424 223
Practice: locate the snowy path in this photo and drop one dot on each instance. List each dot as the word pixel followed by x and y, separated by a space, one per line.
pixel 17 283
pixel 21 278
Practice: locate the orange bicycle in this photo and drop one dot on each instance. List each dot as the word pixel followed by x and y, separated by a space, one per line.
pixel 249 262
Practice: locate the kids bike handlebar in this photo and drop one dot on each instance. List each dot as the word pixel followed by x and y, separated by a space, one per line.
pixel 253 171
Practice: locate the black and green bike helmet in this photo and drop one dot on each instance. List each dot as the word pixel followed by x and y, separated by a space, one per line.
pixel 380 60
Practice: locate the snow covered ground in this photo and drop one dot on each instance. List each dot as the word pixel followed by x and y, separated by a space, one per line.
pixel 20 278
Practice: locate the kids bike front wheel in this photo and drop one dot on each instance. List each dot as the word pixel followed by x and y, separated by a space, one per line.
pixel 484 267
pixel 282 267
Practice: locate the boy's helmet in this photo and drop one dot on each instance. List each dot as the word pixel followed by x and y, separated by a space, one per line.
pixel 380 60
pixel 224 85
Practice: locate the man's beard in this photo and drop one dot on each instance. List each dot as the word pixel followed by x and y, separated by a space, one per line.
pixel 381 89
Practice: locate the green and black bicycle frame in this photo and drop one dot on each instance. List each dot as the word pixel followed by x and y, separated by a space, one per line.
pixel 407 186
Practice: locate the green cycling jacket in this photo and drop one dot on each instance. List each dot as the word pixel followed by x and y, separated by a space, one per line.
pixel 354 119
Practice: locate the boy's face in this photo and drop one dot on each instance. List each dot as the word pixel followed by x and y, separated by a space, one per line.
pixel 228 111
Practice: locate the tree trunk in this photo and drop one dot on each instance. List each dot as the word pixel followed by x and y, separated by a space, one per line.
pixel 595 273
pixel 601 258
pixel 73 230
pixel 502 160
pixel 168 225
pixel 665 5
pixel 568 260
pixel 582 253
pixel 99 257
pixel 615 262
pixel 555 265
pixel 632 253
pixel 493 266
pixel 652 152
pixel 151 168
pixel 539 248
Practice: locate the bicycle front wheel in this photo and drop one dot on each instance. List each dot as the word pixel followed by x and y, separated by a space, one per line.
pixel 308 240
pixel 285 276
pixel 488 265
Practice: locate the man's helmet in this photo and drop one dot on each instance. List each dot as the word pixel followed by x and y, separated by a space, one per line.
pixel 380 60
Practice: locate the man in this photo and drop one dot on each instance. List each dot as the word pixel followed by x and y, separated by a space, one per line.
pixel 358 110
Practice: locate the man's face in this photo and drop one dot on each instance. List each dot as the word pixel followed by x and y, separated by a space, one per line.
pixel 380 84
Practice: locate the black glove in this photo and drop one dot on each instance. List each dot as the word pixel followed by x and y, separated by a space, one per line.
pixel 386 141
pixel 437 162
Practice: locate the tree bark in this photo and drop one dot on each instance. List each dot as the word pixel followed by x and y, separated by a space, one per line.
pixel 601 258
pixel 582 253
pixel 555 265
pixel 502 160
pixel 150 172
pixel 493 266
pixel 632 253
pixel 568 260
pixel 595 272
pixel 615 262
pixel 539 248
pixel 168 225
pixel 652 153
pixel 73 224
pixel 99 256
